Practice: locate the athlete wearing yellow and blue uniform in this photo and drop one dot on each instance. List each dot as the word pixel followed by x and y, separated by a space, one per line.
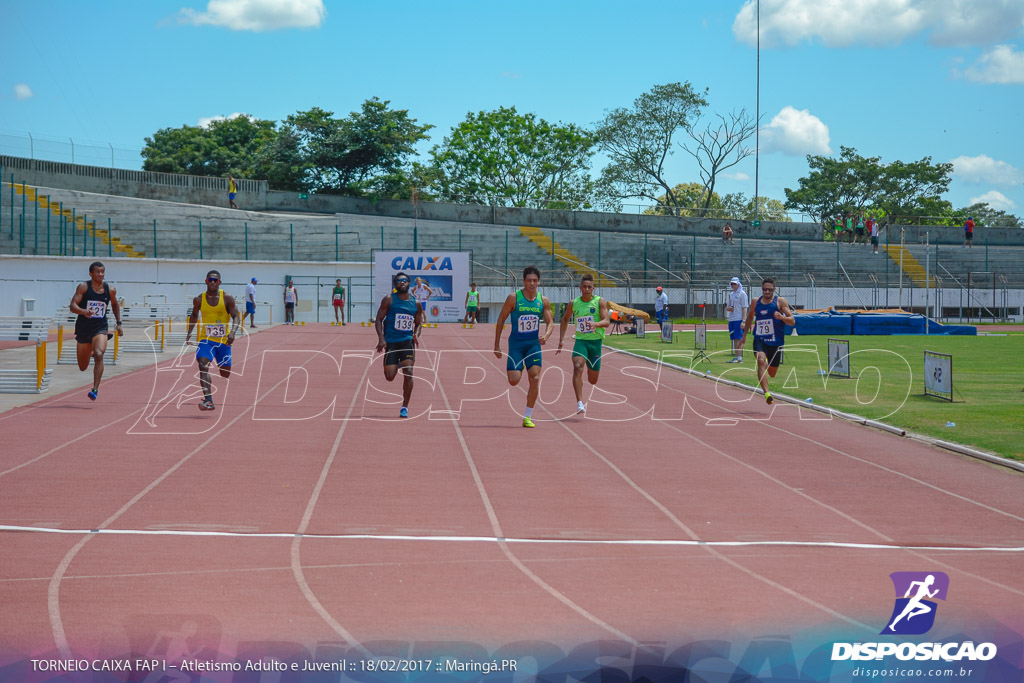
pixel 527 308
pixel 217 316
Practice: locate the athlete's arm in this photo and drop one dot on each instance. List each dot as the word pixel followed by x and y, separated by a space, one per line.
pixel 499 325
pixel 784 314
pixel 563 324
pixel 746 325
pixel 193 317
pixel 549 320
pixel 76 300
pixel 229 303
pixel 378 322
pixel 417 324
pixel 605 312
pixel 117 310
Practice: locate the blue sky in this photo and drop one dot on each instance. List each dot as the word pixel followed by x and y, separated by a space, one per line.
pixel 901 79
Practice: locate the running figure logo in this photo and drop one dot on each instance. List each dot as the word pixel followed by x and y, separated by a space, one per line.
pixel 914 612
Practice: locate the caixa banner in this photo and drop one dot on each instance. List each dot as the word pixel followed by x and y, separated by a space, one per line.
pixel 439 280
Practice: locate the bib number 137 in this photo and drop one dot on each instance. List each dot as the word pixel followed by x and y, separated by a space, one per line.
pixel 529 323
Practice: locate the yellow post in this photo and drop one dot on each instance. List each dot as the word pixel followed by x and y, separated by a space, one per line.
pixel 170 320
pixel 60 340
pixel 40 364
pixel 117 345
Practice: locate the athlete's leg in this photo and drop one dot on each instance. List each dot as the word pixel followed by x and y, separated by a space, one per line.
pixel 533 373
pixel 99 348
pixel 514 376
pixel 577 376
pixel 407 365
pixel 84 354
pixel 762 370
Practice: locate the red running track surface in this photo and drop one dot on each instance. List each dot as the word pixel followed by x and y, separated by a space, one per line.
pixel 345 524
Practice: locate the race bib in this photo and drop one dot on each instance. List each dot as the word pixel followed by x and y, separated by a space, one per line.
pixel 765 329
pixel 216 330
pixel 337 297
pixel 404 322
pixel 529 323
pixel 585 324
pixel 98 308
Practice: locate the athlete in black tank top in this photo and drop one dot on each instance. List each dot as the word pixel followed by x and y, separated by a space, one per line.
pixel 90 302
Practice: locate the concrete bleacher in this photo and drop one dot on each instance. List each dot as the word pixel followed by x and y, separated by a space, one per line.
pixel 499 253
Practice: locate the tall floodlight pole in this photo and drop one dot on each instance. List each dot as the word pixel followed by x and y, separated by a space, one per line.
pixel 757 119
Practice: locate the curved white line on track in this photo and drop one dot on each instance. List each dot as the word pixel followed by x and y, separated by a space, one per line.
pixel 296 562
pixel 679 523
pixel 499 536
pixel 53 590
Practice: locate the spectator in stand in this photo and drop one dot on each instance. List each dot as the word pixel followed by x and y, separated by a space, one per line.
pixel 873 231
pixel 232 192
pixel 859 233
pixel 727 234
pixel 969 233
pixel 838 227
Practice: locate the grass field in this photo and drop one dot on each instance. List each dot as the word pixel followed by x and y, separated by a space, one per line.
pixel 886 381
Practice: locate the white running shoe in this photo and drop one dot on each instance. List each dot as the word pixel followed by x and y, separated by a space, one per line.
pixel 580 408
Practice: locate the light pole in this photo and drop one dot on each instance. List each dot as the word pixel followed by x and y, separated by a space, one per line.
pixel 757 119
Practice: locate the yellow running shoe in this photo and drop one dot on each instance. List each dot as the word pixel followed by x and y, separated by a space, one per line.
pixel 527 422
pixel 768 398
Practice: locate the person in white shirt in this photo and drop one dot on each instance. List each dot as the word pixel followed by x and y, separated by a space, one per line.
pixel 422 292
pixel 661 306
pixel 250 304
pixel 291 297
pixel 736 311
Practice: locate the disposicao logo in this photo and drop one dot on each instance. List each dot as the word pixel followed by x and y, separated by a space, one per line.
pixel 915 608
pixel 914 614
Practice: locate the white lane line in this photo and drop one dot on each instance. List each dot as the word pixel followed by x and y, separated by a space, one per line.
pixel 511 540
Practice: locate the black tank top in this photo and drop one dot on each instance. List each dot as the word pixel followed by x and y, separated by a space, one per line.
pixel 99 304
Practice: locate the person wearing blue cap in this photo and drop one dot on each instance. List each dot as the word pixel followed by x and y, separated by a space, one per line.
pixel 250 304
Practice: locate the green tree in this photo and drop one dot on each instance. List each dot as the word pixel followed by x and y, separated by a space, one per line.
pixel 505 158
pixel 856 184
pixel 985 215
pixel 694 200
pixel 638 141
pixel 281 163
pixel 365 154
pixel 225 145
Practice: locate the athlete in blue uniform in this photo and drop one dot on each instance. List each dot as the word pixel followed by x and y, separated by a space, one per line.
pixel 527 308
pixel 769 316
pixel 398 324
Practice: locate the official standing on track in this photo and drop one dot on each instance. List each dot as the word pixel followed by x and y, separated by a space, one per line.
pixel 291 297
pixel 591 315
pixel 213 310
pixel 770 314
pixel 527 307
pixel 398 324
pixel 90 302
pixel 736 311
pixel 250 304
pixel 661 306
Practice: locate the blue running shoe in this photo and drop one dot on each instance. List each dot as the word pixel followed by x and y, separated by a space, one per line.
pixel 404 412
pixel 92 394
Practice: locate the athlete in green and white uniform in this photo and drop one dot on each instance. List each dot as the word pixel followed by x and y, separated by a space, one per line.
pixel 472 303
pixel 527 308
pixel 592 318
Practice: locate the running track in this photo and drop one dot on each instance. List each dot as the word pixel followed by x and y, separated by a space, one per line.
pixel 364 528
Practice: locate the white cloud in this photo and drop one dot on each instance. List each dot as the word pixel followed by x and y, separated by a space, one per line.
pixel 1001 64
pixel 847 23
pixel 739 175
pixel 22 91
pixel 205 121
pixel 795 132
pixel 985 169
pixel 257 15
pixel 997 200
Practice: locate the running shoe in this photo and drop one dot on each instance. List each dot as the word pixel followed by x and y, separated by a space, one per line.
pixel 527 422
pixel 768 398
pixel 206 404
pixel 404 412
pixel 92 394
pixel 580 408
